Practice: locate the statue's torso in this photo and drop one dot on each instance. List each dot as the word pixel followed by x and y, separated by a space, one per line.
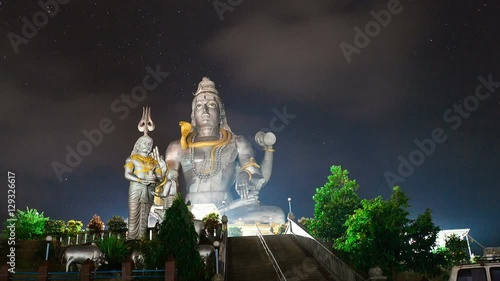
pixel 207 182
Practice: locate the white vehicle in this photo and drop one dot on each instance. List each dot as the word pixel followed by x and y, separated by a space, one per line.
pixel 476 272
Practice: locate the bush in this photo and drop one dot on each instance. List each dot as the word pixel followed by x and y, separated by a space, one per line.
pixel 234 231
pixel 117 225
pixel 30 225
pixel 54 227
pixel 72 228
pixel 96 226
pixel 115 250
pixel 211 222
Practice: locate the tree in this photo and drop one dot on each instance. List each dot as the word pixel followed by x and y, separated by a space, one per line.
pixel 30 225
pixel 117 225
pixel 376 233
pixel 334 203
pixel 235 231
pixel 305 222
pixel 211 222
pixel 72 228
pixel 420 255
pixel 54 227
pixel 96 225
pixel 177 237
pixel 457 250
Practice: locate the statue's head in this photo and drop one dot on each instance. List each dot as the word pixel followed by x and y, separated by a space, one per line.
pixel 143 144
pixel 207 108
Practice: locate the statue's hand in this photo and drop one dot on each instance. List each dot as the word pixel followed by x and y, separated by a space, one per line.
pixel 257 182
pixel 242 185
pixel 147 181
pixel 161 162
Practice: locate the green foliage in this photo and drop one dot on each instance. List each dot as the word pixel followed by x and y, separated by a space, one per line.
pixel 115 250
pixel 117 225
pixel 211 222
pixel 420 256
pixel 30 225
pixel 334 203
pixel 72 228
pixel 96 225
pixel 154 257
pixel 54 227
pixel 177 237
pixel 280 229
pixel 457 250
pixel 234 231
pixel 305 222
pixel 376 233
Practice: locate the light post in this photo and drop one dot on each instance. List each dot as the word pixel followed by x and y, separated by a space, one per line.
pixel 290 214
pixel 224 207
pixel 216 246
pixel 48 239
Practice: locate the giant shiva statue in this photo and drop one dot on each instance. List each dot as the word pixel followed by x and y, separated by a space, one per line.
pixel 213 160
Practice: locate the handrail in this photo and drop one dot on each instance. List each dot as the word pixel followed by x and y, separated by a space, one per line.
pixel 276 267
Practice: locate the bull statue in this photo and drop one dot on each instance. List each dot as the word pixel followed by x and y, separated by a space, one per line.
pixel 138 258
pixel 80 253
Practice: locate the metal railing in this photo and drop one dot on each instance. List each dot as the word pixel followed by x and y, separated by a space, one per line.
pixel 84 237
pixel 276 267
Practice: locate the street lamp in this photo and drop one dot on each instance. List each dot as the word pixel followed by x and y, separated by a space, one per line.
pixel 216 246
pixel 48 239
pixel 289 204
pixel 224 207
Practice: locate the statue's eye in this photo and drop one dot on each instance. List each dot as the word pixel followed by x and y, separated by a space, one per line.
pixel 199 105
pixel 212 104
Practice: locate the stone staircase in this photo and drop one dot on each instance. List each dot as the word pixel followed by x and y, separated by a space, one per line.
pixel 247 260
pixel 294 260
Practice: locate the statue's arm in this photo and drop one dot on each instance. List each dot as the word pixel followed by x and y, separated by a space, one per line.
pixel 129 171
pixel 173 159
pixel 249 167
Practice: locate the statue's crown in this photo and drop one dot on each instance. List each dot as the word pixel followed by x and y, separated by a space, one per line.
pixel 206 86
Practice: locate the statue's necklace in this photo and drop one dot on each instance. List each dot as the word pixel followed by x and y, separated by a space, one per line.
pixel 215 154
pixel 147 162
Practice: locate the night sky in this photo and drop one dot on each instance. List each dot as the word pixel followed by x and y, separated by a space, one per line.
pixel 408 83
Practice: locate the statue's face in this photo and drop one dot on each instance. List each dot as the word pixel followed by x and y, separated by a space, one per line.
pixel 206 111
pixel 145 145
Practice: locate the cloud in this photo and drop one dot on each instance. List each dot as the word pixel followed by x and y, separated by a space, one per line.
pixel 292 51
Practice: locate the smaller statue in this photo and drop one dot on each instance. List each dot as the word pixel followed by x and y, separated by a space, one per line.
pixel 146 171
pixel 166 193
